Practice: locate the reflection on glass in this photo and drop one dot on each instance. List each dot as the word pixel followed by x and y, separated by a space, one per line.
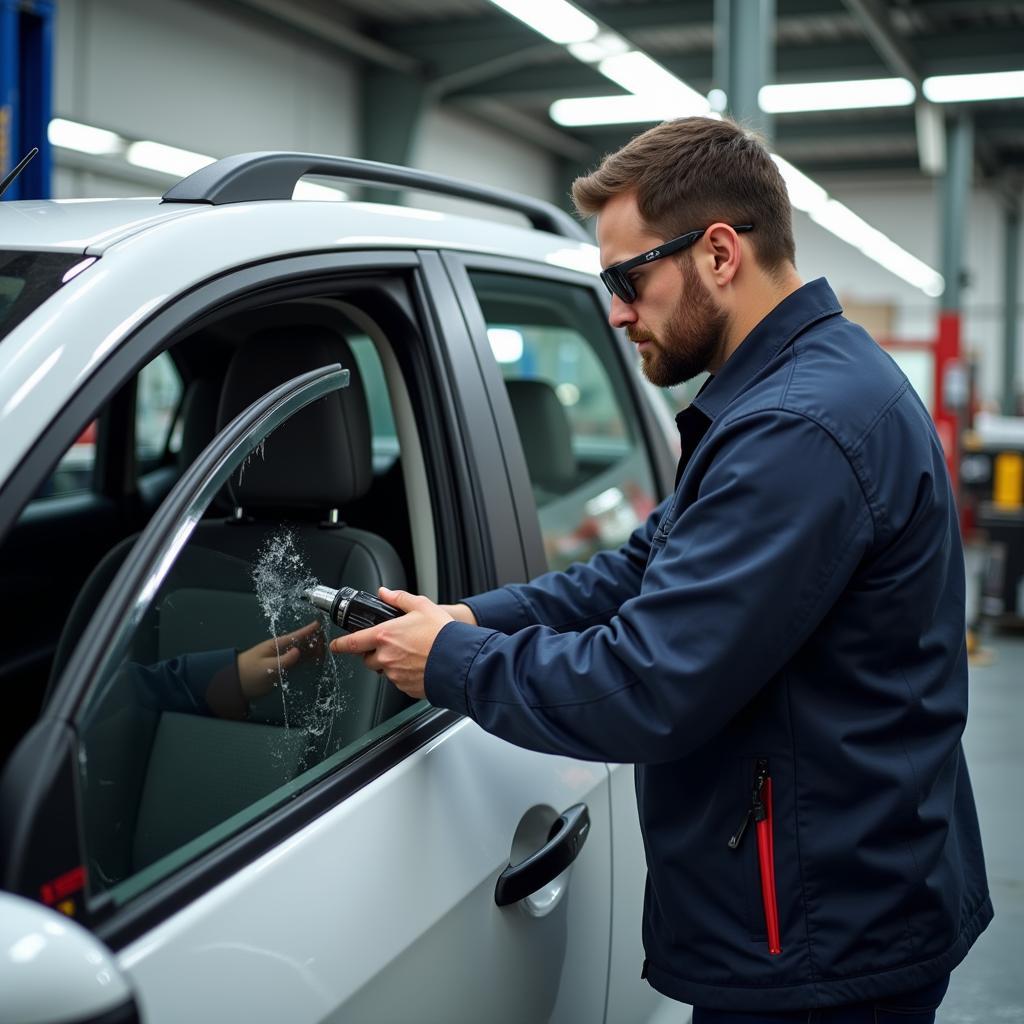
pixel 218 699
pixel 584 454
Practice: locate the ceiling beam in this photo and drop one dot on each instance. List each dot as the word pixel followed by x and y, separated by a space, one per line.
pixel 499 115
pixel 874 20
pixel 332 30
pixel 929 123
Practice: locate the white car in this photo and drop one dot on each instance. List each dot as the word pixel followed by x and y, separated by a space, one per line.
pixel 207 404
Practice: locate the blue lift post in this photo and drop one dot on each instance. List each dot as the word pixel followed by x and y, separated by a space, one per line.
pixel 26 77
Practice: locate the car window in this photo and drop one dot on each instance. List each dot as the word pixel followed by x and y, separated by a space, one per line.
pixel 584 449
pixel 219 701
pixel 74 473
pixel 27 279
pixel 158 392
pixel 385 436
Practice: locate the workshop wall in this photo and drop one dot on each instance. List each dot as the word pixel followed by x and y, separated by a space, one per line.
pixel 212 79
pixel 911 215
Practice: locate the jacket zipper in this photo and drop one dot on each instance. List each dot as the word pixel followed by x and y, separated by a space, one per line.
pixel 761 811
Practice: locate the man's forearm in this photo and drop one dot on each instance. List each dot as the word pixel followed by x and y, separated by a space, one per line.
pixel 461 613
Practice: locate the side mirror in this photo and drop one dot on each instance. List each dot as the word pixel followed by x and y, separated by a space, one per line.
pixel 52 969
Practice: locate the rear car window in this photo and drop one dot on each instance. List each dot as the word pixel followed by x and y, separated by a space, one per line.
pixel 27 279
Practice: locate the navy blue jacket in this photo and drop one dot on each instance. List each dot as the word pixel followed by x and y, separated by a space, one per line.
pixel 780 649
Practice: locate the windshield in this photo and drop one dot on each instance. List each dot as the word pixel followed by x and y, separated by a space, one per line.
pixel 27 279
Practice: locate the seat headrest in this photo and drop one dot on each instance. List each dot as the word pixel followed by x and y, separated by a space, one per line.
pixel 545 433
pixel 322 457
pixel 198 419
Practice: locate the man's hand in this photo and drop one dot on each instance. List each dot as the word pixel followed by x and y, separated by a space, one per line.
pixel 259 667
pixel 399 648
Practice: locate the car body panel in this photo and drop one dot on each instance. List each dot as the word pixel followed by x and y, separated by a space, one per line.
pixel 322 928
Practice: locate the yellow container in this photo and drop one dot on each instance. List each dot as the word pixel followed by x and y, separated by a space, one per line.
pixel 1008 480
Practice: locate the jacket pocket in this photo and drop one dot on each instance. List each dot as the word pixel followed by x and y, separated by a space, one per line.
pixel 760 813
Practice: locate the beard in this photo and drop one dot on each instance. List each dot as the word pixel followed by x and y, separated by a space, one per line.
pixel 690 339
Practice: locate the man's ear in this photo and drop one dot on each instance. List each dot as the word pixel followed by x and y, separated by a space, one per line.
pixel 722 244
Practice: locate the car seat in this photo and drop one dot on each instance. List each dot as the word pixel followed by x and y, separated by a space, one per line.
pixel 144 761
pixel 546 436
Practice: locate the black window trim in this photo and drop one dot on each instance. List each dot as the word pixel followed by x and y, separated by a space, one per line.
pixel 494 490
pixel 270 280
pixel 459 266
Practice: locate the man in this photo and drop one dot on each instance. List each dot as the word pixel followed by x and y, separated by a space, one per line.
pixel 779 649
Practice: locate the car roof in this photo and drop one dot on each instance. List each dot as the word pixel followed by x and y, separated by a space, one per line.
pixel 253 191
pixel 94 226
pixel 153 251
pixel 74 225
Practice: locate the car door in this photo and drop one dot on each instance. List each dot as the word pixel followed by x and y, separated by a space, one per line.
pixel 592 462
pixel 357 885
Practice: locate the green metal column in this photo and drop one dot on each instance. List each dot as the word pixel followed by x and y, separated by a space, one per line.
pixel 745 58
pixel 1011 310
pixel 392 109
pixel 955 197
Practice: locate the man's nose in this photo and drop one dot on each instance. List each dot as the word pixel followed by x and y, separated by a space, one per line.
pixel 621 313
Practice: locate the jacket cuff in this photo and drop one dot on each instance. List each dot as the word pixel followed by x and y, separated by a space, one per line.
pixel 501 609
pixel 446 673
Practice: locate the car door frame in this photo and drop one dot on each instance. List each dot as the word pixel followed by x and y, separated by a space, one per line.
pixel 43 766
pixel 458 267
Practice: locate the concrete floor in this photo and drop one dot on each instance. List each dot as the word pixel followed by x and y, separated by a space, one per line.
pixel 988 987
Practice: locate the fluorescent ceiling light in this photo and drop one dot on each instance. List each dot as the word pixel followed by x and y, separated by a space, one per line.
pixel 871 92
pixel 324 193
pixel 168 159
pixel 845 224
pixel 83 137
pixel 639 74
pixel 999 85
pixel 589 110
pixel 804 194
pixel 561 22
pixel 605 44
pixel 657 95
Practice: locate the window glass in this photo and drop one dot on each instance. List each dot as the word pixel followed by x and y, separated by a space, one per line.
pixel 219 700
pixel 74 472
pixel 385 436
pixel 584 449
pixel 157 401
pixel 28 279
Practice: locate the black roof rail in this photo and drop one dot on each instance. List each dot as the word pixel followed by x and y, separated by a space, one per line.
pixel 249 177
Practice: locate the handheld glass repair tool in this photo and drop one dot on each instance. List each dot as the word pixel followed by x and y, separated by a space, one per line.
pixel 351 609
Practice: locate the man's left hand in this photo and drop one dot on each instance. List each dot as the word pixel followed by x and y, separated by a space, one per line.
pixel 399 648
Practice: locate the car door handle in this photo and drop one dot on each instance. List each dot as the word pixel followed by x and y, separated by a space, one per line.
pixel 566 839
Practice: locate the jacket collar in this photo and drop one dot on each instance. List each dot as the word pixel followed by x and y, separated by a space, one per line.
pixel 810 303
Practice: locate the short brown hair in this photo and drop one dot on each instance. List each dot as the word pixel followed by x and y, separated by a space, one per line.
pixel 693 171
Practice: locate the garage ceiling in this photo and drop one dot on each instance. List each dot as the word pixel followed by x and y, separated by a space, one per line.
pixel 472 55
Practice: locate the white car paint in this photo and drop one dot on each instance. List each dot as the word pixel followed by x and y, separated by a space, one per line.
pixel 313 925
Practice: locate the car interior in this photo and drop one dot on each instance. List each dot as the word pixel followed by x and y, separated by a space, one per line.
pixel 332 488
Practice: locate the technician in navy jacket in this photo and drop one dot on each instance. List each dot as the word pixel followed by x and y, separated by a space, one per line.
pixel 779 649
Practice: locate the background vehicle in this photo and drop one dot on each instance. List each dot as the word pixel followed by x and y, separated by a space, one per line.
pixel 337 380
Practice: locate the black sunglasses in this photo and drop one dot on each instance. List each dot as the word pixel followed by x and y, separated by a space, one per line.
pixel 616 277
